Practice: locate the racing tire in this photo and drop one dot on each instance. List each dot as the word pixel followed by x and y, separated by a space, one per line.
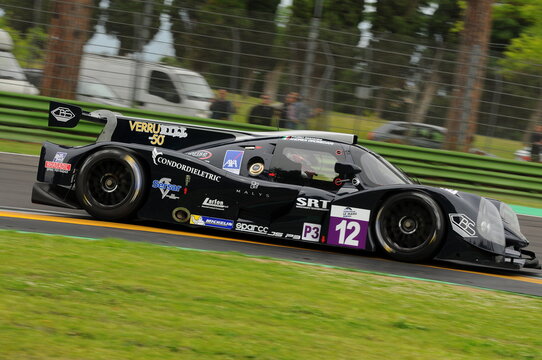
pixel 409 227
pixel 110 184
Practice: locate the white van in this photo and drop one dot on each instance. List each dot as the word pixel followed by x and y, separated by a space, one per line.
pixel 151 86
pixel 12 77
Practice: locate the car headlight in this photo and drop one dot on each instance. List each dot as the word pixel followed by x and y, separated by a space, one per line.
pixel 489 223
pixel 510 218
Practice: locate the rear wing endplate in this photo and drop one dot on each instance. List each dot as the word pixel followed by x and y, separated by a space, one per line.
pixel 68 116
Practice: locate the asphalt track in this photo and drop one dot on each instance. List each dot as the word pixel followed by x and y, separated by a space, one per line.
pixel 17 174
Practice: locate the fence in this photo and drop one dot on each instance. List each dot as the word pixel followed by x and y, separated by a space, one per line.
pixel 360 79
pixel 500 178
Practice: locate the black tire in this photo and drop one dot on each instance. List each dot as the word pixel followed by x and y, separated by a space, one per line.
pixel 409 227
pixel 110 184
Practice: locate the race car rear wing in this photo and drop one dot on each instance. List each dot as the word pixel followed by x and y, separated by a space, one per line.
pixel 170 135
pixel 68 116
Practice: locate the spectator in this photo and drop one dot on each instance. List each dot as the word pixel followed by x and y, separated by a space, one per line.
pixel 288 117
pixel 222 108
pixel 262 114
pixel 302 112
pixel 536 143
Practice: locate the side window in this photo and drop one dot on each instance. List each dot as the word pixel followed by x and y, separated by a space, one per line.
pixel 161 85
pixel 308 167
pixel 399 131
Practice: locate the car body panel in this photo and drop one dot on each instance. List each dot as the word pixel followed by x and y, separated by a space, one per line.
pixel 277 184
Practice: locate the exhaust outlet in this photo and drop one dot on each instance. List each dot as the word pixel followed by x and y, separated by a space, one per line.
pixel 181 214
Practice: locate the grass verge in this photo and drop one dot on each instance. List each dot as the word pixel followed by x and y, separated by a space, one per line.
pixel 66 298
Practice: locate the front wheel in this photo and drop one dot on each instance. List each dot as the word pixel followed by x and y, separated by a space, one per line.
pixel 409 227
pixel 110 184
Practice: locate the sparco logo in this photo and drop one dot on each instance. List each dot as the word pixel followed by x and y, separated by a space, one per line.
pixel 214 204
pixel 158 158
pixel 314 204
pixel 251 228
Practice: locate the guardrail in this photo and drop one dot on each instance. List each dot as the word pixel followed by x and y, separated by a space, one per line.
pixel 24 116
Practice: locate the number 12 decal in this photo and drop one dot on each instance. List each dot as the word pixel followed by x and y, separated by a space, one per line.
pixel 348 226
pixel 348 231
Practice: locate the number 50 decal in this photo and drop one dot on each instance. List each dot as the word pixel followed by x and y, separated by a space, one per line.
pixel 348 232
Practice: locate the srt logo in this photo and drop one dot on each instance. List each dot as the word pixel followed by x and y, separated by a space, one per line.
pixel 307 203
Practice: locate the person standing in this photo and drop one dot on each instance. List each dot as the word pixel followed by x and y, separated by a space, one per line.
pixel 288 119
pixel 262 114
pixel 221 107
pixel 536 143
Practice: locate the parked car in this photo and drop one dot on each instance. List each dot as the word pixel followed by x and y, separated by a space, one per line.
pixel 12 77
pixel 523 154
pixel 153 86
pixel 424 135
pixel 416 134
pixel 306 186
pixel 88 89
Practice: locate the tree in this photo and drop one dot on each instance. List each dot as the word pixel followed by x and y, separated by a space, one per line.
pixel 134 23
pixel 463 114
pixel 522 62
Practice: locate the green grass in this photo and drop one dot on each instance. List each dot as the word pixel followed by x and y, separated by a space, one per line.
pixel 66 298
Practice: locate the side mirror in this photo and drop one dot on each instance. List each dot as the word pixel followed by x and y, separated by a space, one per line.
pixel 347 169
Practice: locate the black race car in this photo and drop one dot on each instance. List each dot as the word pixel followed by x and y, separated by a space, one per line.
pixel 307 186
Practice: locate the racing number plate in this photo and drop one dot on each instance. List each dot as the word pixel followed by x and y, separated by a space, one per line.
pixel 348 227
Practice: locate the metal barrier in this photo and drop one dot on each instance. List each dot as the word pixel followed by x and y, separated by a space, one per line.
pixel 25 115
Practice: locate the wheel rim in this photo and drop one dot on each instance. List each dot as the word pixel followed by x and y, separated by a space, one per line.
pixel 407 225
pixel 110 182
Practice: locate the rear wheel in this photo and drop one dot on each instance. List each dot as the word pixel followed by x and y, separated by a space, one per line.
pixel 110 184
pixel 409 227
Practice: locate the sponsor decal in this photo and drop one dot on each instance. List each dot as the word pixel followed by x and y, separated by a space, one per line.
pixel 232 161
pixel 348 226
pixel 252 193
pixel 200 154
pixel 307 139
pixel 276 234
pixel 60 156
pixel 312 204
pixel 452 191
pixel 463 225
pixel 292 236
pixel 62 114
pixel 252 228
pixel 211 222
pixel 58 164
pixel 311 232
pixel 214 204
pixel 166 187
pixel 158 131
pixel 159 158
pixel 256 169
pixel 254 185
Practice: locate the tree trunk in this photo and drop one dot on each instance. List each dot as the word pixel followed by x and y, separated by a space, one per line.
pixel 463 113
pixel 535 118
pixel 272 81
pixel 420 112
pixel 68 32
pixel 248 83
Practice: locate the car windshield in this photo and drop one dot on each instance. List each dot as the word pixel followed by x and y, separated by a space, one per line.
pixel 377 171
pixel 195 86
pixel 94 89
